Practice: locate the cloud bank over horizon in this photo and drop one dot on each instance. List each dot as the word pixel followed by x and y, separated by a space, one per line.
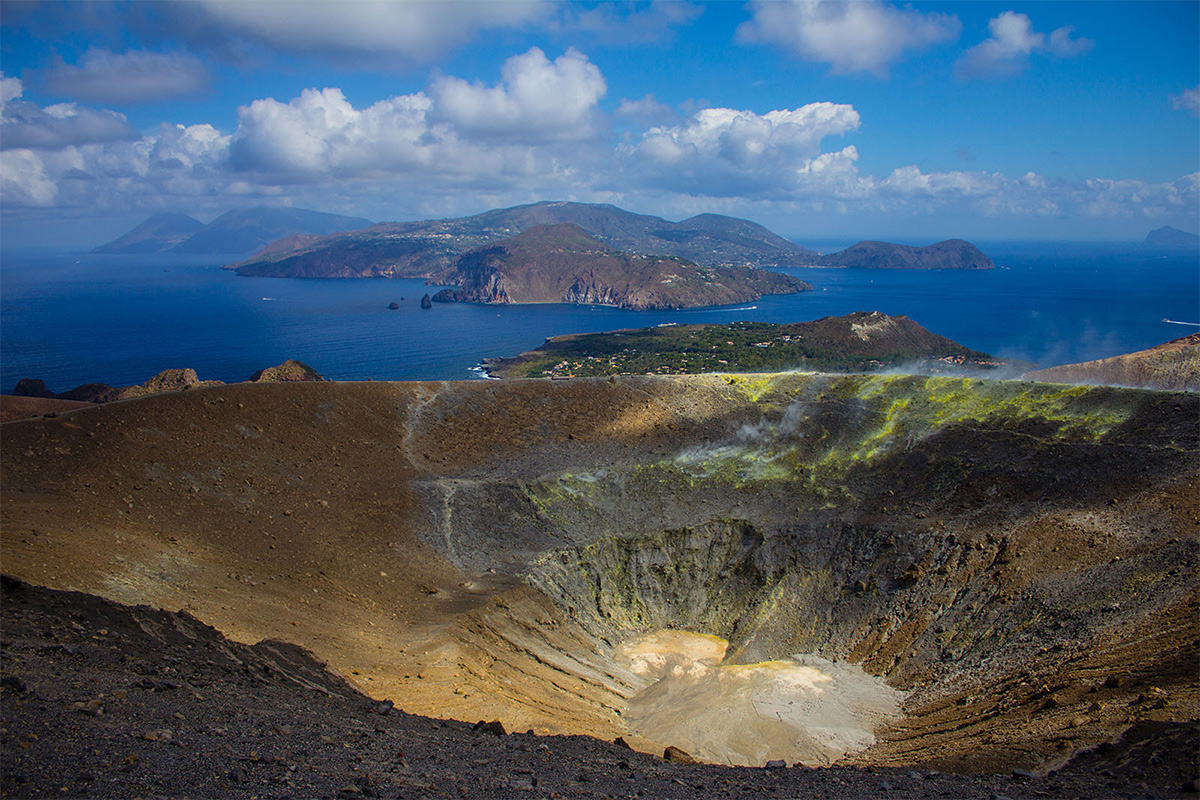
pixel 550 120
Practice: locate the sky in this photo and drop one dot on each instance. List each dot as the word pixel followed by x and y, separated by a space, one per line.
pixel 821 120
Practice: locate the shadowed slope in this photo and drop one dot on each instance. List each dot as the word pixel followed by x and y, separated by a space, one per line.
pixel 995 550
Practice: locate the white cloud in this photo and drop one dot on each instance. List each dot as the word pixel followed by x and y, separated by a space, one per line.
pixel 539 100
pixel 10 89
pixel 23 180
pixel 413 30
pixel 861 36
pixel 321 135
pixel 24 125
pixel 723 152
pixel 136 76
pixel 1013 40
pixel 1187 100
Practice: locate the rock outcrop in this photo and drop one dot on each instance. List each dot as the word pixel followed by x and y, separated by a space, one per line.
pixel 31 387
pixel 287 372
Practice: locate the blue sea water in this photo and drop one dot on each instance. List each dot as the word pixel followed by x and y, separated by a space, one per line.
pixel 72 318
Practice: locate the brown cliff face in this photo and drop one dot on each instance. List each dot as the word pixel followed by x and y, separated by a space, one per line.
pixel 564 264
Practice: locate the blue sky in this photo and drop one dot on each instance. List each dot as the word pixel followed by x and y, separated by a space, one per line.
pixel 916 122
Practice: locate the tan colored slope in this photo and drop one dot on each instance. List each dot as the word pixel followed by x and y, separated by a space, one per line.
pixel 1174 366
pixel 1025 531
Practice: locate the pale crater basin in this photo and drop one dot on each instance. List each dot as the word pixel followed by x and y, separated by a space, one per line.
pixel 804 709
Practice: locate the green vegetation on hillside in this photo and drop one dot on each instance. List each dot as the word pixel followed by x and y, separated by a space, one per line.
pixel 860 342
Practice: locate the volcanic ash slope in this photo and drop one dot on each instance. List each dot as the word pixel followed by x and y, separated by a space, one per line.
pixel 1010 567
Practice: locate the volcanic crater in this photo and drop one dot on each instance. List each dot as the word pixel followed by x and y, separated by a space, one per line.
pixel 880 571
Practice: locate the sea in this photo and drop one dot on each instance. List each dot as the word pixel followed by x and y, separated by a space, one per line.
pixel 71 318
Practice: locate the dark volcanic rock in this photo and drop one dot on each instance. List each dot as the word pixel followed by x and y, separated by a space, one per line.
pixel 92 393
pixel 426 302
pixel 32 387
pixel 393 306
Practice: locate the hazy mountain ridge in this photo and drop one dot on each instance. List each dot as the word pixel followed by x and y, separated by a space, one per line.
pixel 158 233
pixel 236 231
pixel 562 263
pixel 426 249
pixel 950 254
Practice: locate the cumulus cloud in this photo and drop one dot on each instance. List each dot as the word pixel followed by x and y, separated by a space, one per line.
pixel 1012 42
pixel 1188 100
pixel 10 89
pixel 23 180
pixel 861 36
pixel 320 134
pixel 25 125
pixel 722 151
pixel 136 76
pixel 539 100
pixel 458 128
pixel 413 30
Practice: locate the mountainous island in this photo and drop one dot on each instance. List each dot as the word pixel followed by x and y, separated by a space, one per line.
pixel 1168 238
pixel 236 231
pixel 859 342
pixel 430 248
pixel 564 264
pixel 950 254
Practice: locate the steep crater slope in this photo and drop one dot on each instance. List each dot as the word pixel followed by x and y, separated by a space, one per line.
pixel 1018 561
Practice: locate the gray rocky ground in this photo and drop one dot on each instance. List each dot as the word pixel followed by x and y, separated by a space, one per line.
pixel 105 700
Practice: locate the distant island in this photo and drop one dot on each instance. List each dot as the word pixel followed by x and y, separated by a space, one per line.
pixel 859 342
pixel 1168 238
pixel 430 249
pixel 236 231
pixel 564 264
pixel 950 254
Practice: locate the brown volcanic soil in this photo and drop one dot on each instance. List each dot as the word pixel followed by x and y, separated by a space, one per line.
pixel 13 407
pixel 1025 567
pixel 1173 366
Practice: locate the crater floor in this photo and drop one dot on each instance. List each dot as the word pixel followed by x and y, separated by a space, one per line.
pixel 1005 572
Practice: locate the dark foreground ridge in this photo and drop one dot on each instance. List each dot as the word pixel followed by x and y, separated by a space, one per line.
pixel 106 700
